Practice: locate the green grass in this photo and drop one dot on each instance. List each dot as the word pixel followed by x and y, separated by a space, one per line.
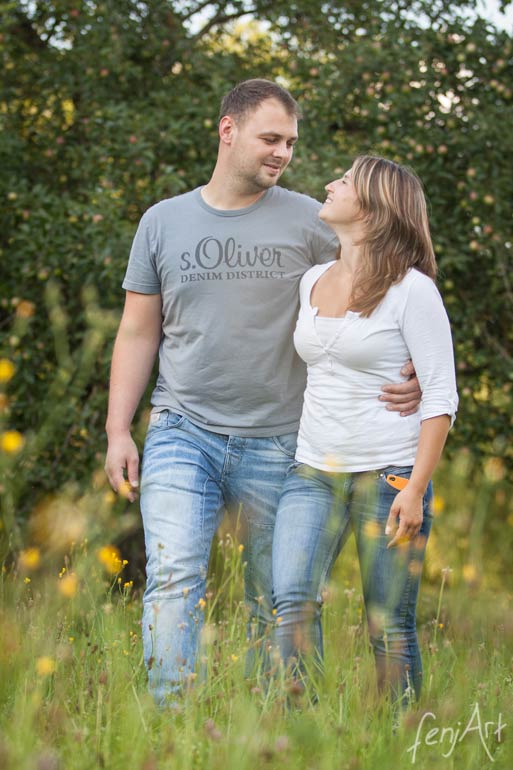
pixel 73 686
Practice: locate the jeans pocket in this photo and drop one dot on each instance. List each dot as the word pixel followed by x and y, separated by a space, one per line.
pixel 388 491
pixel 287 443
pixel 395 477
pixel 165 419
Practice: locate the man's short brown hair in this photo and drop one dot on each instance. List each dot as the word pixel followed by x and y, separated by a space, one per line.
pixel 249 94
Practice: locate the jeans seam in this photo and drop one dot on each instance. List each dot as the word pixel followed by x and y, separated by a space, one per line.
pixel 409 583
pixel 205 547
pixel 411 641
pixel 329 560
pixel 406 598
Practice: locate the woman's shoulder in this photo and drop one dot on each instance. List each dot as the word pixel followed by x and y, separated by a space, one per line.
pixel 415 289
pixel 416 282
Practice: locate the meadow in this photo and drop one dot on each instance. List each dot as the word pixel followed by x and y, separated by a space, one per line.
pixel 73 685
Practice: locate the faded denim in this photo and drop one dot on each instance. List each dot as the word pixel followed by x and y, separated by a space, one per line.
pixel 189 476
pixel 316 514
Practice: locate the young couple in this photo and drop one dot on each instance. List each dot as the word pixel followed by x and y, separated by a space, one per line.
pixel 212 285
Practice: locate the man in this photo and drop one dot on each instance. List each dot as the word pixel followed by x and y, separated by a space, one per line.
pixel 212 283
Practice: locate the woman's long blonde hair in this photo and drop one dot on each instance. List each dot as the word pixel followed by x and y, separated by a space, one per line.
pixel 396 224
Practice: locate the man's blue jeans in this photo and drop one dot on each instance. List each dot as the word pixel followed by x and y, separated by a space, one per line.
pixel 189 476
pixel 316 514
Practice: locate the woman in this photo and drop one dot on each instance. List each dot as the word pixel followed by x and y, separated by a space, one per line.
pixel 357 465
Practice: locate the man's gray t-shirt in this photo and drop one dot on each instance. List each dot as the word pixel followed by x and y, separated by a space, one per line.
pixel 229 282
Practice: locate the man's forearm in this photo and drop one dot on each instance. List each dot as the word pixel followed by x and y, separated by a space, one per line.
pixel 132 362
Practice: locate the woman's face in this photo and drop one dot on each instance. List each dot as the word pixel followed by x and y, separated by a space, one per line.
pixel 341 205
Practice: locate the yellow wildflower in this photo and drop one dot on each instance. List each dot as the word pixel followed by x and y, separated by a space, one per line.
pixel 110 557
pixel 109 498
pixel 98 479
pixel 124 489
pixel 202 604
pixel 371 530
pixel 438 504
pixel 68 585
pixel 30 559
pixel 25 309
pixel 11 441
pixel 7 369
pixel 469 573
pixel 494 469
pixel 45 666
pixel 332 461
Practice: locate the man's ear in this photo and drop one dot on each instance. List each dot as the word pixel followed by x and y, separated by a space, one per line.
pixel 226 129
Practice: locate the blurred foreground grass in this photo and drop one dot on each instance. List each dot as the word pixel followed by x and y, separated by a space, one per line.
pixel 73 687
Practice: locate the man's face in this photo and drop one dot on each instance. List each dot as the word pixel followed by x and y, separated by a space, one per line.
pixel 262 145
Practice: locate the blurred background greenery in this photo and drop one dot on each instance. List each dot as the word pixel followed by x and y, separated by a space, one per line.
pixel 108 106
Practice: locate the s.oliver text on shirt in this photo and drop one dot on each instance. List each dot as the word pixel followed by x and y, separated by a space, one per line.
pixel 210 253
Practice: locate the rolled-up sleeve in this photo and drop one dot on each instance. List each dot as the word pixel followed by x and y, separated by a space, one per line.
pixel 427 332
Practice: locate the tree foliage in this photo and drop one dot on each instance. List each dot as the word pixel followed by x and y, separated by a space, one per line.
pixel 108 106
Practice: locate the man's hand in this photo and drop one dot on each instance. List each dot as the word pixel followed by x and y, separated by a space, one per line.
pixel 123 457
pixel 403 397
pixel 135 348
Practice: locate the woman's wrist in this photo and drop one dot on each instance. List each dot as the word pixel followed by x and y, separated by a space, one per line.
pixel 416 487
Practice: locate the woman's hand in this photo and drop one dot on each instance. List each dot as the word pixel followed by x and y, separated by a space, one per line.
pixel 407 507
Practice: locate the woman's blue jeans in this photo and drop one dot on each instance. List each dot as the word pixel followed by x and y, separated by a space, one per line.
pixel 316 514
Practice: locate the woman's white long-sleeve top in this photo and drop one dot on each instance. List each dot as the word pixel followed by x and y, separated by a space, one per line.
pixel 344 427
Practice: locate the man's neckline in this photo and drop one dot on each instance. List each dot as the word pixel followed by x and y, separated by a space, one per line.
pixel 233 212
